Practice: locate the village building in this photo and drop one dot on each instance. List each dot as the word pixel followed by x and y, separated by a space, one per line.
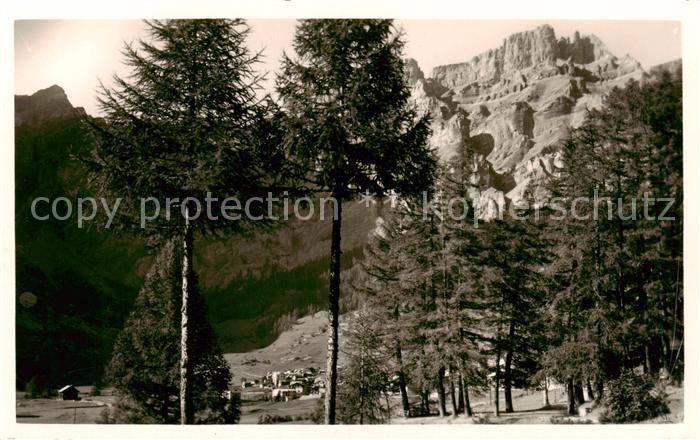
pixel 284 385
pixel 69 392
pixel 257 394
pixel 284 394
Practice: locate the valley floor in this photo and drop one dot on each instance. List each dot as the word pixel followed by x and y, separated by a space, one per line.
pixel 528 406
pixel 302 346
pixel 85 411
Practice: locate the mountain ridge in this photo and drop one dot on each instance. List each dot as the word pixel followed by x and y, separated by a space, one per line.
pixel 45 104
pixel 514 104
pixel 521 50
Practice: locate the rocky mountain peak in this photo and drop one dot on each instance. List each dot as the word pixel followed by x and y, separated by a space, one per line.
pixel 413 71
pixel 52 92
pixel 512 105
pixel 581 50
pixel 537 47
pixel 529 48
pixel 49 103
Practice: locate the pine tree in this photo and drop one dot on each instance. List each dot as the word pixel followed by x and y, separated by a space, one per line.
pixel 421 268
pixel 145 365
pixel 513 261
pixel 185 123
pixel 384 294
pixel 463 253
pixel 582 315
pixel 363 397
pixel 619 272
pixel 350 129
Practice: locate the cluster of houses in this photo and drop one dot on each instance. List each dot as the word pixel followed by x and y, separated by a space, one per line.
pixel 284 385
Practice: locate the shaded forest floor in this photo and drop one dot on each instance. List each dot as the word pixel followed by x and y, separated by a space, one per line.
pixel 528 407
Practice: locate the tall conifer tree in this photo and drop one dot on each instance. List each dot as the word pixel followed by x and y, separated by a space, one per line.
pixel 186 122
pixel 145 366
pixel 351 129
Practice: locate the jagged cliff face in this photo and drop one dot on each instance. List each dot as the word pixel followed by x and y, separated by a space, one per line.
pixel 511 106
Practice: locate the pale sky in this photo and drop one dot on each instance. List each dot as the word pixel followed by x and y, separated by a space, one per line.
pixel 75 54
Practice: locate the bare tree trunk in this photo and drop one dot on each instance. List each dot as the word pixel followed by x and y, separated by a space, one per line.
pixel 545 392
pixel 507 382
pixel 666 353
pixel 507 378
pixel 362 393
pixel 578 393
pixel 643 309
pixel 186 401
pixel 460 392
pixel 647 359
pixel 599 390
pixel 425 399
pixel 402 382
pixel 497 381
pixel 441 392
pixel 165 409
pixel 589 390
pixel 453 398
pixel 570 397
pixel 465 393
pixel 333 311
pixel 388 407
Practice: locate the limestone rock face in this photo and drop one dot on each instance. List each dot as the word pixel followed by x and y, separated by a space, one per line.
pixel 527 49
pixel 514 104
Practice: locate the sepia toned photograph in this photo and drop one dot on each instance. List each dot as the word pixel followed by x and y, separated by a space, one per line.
pixel 349 221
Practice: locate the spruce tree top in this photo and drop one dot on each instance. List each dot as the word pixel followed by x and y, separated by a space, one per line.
pixel 348 121
pixel 187 120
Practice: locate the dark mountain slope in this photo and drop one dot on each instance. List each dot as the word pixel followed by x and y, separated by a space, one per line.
pixel 76 286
